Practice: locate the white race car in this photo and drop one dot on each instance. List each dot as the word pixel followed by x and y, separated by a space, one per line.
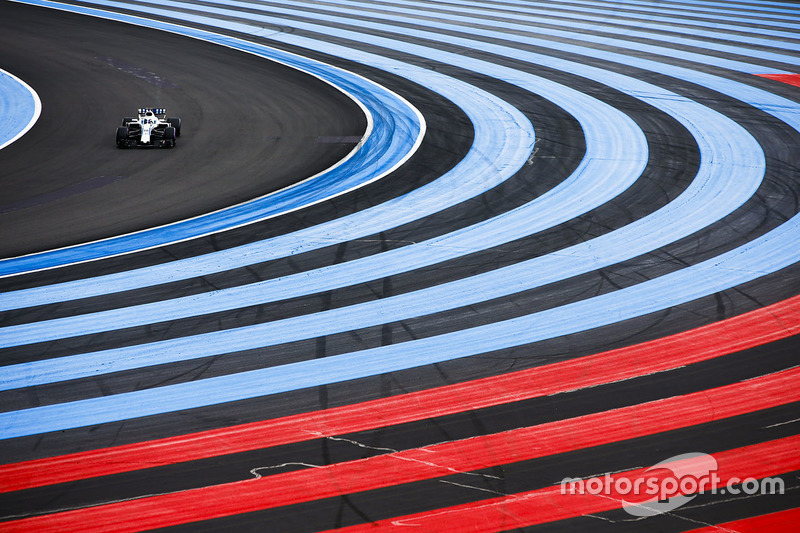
pixel 151 128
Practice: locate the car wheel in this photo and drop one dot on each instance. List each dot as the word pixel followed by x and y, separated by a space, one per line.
pixel 122 137
pixel 175 122
pixel 169 137
pixel 126 121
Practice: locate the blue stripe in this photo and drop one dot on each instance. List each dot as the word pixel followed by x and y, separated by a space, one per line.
pixel 19 108
pixel 397 131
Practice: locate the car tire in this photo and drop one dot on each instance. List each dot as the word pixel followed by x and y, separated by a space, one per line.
pixel 122 137
pixel 169 137
pixel 126 121
pixel 175 122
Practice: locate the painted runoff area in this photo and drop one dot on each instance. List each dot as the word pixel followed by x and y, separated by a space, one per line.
pixel 20 108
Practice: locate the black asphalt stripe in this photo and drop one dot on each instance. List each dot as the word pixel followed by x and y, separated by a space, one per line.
pixel 686 380
pixel 430 495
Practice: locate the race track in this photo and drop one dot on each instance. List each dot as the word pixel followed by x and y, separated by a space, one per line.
pixel 560 241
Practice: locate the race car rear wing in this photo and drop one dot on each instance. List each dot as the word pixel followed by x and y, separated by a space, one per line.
pixel 158 111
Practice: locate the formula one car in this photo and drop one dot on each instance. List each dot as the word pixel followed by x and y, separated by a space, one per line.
pixel 151 128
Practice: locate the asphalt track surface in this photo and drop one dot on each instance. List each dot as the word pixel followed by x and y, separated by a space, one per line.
pixel 245 118
pixel 588 266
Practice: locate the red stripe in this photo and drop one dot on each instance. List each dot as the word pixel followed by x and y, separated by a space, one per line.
pixel 715 340
pixel 780 522
pixel 791 79
pixel 426 463
pixel 548 505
